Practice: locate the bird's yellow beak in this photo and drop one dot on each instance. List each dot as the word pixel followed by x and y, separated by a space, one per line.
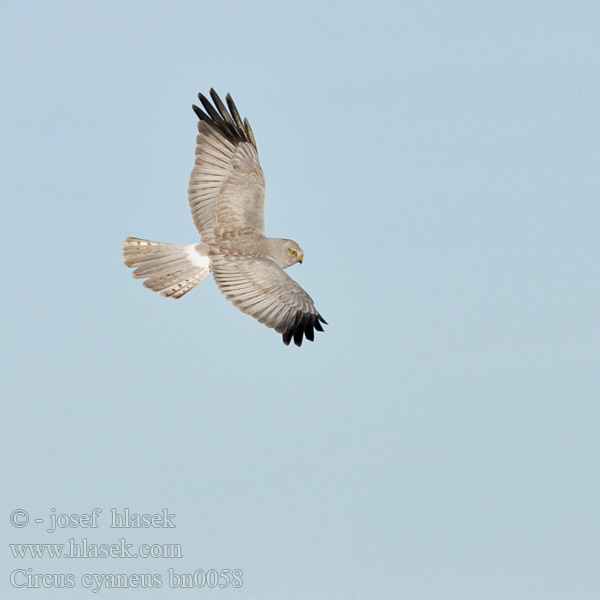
pixel 300 257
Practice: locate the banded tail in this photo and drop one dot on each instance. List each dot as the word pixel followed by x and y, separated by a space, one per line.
pixel 171 269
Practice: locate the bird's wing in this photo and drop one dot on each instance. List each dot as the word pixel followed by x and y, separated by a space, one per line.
pixel 259 288
pixel 227 187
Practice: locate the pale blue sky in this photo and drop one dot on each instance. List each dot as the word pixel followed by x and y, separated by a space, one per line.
pixel 439 165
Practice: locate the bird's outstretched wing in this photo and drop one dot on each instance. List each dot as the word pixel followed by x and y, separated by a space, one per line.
pixel 227 186
pixel 259 288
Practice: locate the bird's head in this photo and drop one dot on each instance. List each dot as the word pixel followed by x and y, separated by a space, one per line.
pixel 290 253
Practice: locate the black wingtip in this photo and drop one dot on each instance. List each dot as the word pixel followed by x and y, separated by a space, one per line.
pixel 304 326
pixel 225 119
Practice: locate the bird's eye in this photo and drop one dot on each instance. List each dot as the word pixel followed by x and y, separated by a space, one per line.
pixel 292 252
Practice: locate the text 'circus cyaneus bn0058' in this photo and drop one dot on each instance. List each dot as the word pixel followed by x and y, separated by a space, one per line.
pixel 226 195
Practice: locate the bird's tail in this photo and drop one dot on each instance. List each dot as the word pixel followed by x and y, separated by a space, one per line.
pixel 171 269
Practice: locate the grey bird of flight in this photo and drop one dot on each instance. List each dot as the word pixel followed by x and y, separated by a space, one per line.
pixel 226 195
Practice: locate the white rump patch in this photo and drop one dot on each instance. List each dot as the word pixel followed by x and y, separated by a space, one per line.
pixel 198 256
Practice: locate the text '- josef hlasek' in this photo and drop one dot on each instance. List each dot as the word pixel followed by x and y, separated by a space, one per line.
pixel 117 519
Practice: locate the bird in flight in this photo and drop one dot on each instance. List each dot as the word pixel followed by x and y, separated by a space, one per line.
pixel 226 195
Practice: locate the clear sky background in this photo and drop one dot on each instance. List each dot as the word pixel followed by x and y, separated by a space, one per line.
pixel 439 164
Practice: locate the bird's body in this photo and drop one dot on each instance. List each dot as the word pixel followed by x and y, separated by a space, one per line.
pixel 226 197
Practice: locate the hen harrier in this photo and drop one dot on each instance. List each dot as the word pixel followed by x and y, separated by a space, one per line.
pixel 226 195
